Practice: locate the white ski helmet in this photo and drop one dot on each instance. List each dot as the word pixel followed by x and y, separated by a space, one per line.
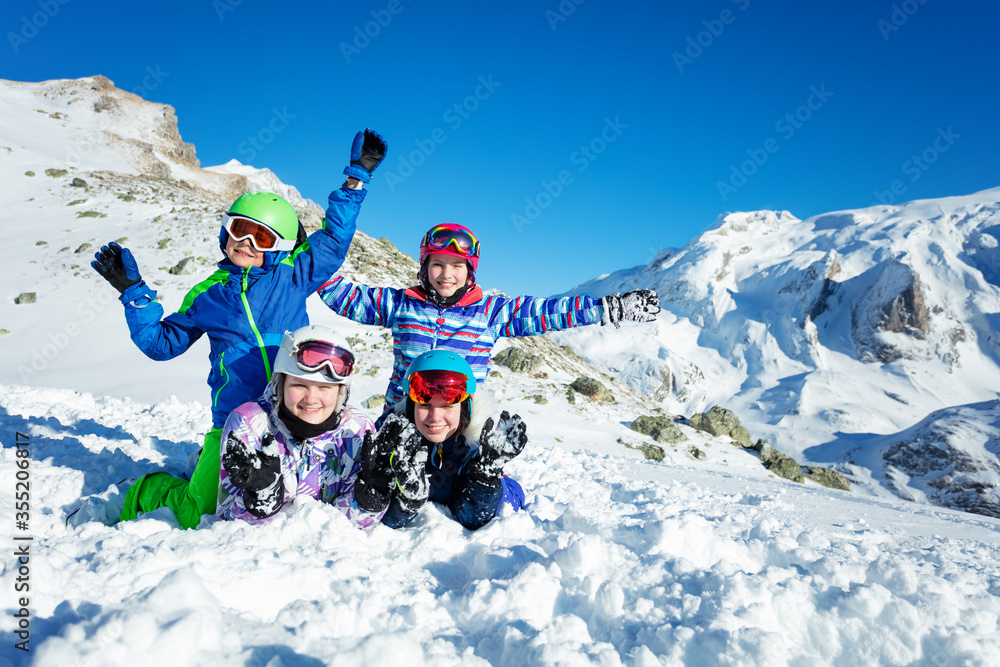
pixel 317 353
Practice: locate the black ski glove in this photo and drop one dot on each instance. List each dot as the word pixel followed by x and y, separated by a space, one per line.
pixel 257 472
pixel 497 447
pixel 640 305
pixel 117 266
pixel 374 483
pixel 367 152
pixel 394 459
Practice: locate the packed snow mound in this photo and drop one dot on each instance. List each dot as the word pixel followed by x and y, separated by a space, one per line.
pixel 613 561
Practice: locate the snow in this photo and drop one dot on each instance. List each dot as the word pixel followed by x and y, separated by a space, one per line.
pixel 614 560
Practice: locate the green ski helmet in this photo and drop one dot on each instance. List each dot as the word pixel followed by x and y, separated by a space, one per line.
pixel 270 210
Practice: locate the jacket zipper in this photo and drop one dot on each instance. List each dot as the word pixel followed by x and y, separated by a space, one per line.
pixel 253 325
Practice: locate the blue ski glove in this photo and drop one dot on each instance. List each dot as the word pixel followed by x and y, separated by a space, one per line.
pixel 366 153
pixel 117 266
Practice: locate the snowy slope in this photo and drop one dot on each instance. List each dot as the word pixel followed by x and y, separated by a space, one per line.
pixel 615 560
pixel 824 333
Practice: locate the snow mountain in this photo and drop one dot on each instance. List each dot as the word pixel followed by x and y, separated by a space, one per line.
pixel 835 335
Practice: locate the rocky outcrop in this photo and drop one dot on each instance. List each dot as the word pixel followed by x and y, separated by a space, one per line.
pixel 661 429
pixel 894 303
pixel 592 389
pixel 719 421
pixel 518 360
pixel 949 476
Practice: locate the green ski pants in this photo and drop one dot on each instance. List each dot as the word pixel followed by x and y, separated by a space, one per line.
pixel 188 499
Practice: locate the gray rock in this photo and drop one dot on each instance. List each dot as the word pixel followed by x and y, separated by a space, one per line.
pixel 79 183
pixel 84 247
pixel 592 389
pixel 828 478
pixel 25 297
pixel 373 401
pixel 186 266
pixel 778 463
pixel 696 453
pixel 651 452
pixel 55 173
pixel 517 360
pixel 719 421
pixel 661 429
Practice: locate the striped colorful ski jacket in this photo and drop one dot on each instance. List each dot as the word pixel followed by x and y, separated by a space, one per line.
pixel 470 327
pixel 324 468
pixel 246 312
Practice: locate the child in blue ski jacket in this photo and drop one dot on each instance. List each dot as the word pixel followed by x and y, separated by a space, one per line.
pixel 448 310
pixel 258 293
pixel 443 421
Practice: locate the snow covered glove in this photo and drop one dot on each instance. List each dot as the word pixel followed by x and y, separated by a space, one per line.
pixel 374 483
pixel 395 458
pixel 366 153
pixel 497 447
pixel 117 266
pixel 640 305
pixel 257 472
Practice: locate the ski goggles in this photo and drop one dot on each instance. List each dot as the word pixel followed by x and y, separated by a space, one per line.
pixel 314 356
pixel 451 386
pixel 461 241
pixel 261 236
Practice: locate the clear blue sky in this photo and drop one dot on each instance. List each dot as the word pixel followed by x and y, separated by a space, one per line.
pixel 656 117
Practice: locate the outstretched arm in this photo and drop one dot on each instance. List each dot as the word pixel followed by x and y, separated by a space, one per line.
pixel 324 252
pixel 361 303
pixel 157 338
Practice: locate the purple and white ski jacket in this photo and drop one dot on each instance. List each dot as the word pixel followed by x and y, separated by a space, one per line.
pixel 324 467
pixel 470 327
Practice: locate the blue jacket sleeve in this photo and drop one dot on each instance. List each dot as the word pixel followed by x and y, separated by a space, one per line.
pixel 322 255
pixel 531 316
pixel 367 305
pixel 159 339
